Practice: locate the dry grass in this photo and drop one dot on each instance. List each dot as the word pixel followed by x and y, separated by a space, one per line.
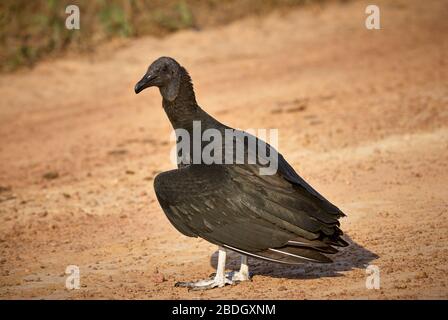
pixel 31 30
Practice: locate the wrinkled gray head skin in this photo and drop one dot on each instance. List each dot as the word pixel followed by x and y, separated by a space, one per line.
pixel 164 73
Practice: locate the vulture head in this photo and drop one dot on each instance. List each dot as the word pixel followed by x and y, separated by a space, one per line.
pixel 164 73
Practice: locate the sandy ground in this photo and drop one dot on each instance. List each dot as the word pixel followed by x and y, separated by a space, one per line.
pixel 362 115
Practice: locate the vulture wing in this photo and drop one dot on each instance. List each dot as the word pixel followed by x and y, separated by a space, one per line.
pixel 275 217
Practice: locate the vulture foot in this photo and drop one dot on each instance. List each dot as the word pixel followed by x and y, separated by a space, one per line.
pixel 216 282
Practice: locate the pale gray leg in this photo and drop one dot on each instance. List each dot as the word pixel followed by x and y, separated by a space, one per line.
pixel 219 280
pixel 242 274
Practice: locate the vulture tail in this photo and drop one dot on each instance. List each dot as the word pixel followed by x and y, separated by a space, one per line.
pixel 322 245
pixel 287 255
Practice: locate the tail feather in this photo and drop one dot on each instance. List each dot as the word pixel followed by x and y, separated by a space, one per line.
pixel 324 242
pixel 324 245
pixel 287 255
pixel 302 253
pixel 299 250
pixel 336 240
pixel 324 248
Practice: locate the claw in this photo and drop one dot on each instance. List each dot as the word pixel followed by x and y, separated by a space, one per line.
pixel 230 278
pixel 215 282
pixel 220 278
pixel 239 276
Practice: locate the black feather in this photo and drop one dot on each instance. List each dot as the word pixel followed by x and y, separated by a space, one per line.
pixel 278 218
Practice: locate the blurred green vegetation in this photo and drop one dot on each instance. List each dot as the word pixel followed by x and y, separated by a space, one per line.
pixel 31 30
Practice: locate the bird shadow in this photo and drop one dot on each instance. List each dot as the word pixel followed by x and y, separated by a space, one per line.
pixel 352 257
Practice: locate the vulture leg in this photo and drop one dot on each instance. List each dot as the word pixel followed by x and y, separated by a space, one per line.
pixel 243 274
pixel 219 280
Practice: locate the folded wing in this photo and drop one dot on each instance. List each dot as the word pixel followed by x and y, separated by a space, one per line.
pixel 268 217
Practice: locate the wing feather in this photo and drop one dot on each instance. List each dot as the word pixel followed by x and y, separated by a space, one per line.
pixel 232 206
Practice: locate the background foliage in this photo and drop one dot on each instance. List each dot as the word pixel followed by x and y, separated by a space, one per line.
pixel 31 30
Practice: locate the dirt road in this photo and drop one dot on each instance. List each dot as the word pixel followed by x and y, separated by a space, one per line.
pixel 362 115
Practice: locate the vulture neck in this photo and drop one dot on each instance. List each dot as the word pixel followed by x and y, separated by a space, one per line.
pixel 183 110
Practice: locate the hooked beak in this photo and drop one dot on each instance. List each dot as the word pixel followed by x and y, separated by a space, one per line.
pixel 145 82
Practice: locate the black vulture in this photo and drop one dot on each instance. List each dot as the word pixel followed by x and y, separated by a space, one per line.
pixel 276 217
